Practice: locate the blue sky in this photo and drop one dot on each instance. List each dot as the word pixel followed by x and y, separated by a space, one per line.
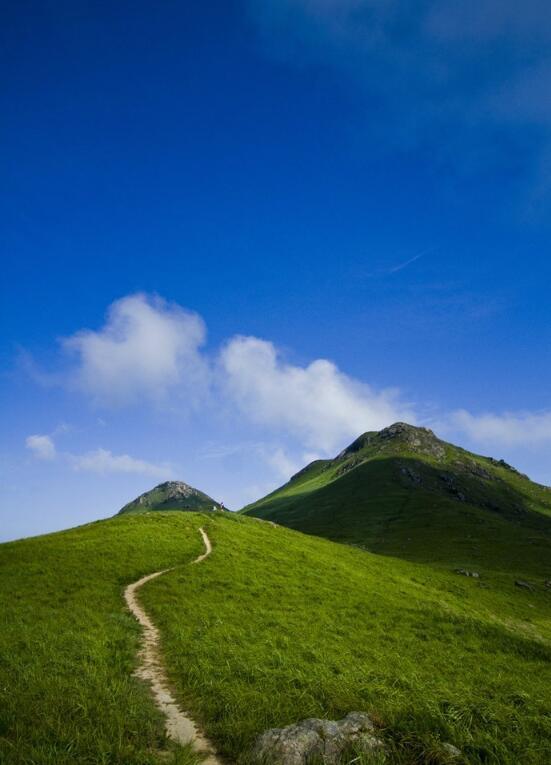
pixel 236 236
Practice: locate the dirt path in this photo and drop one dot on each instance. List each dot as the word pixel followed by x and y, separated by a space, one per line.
pixel 179 727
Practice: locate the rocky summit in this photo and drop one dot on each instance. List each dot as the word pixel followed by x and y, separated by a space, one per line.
pixel 416 439
pixel 172 495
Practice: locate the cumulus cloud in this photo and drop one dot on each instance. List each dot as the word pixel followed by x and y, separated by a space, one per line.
pixel 146 347
pixel 42 447
pixel 317 403
pixel 508 429
pixel 149 349
pixel 104 461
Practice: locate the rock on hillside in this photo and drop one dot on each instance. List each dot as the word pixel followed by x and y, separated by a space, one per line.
pixel 315 739
pixel 172 495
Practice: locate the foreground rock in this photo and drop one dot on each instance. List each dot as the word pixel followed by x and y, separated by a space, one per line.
pixel 452 750
pixel 324 739
pixel 464 572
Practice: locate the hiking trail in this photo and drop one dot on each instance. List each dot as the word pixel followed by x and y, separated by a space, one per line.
pixel 179 726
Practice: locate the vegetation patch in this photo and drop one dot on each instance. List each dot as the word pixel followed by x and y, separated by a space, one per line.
pixel 68 645
pixel 276 627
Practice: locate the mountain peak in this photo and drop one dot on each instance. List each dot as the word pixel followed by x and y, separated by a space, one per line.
pixel 404 429
pixel 171 495
pixel 413 437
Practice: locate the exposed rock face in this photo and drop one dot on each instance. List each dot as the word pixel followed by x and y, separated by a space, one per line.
pixel 464 572
pixel 172 490
pixel 449 480
pixel 411 474
pixel 421 440
pixel 314 738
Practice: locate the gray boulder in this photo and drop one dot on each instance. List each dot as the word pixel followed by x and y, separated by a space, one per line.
pixel 452 750
pixel 523 585
pixel 464 572
pixel 314 738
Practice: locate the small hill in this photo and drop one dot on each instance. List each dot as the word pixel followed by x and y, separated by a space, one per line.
pixel 171 495
pixel 405 492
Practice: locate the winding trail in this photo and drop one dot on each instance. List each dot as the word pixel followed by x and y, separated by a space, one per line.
pixel 179 727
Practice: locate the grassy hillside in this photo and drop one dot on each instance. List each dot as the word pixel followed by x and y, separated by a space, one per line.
pixel 273 627
pixel 68 647
pixel 284 626
pixel 404 492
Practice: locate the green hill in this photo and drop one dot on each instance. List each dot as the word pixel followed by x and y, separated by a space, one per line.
pixel 171 495
pixel 406 493
pixel 275 626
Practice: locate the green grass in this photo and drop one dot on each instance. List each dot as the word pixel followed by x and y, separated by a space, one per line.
pixel 279 626
pixel 367 497
pixel 68 646
pixel 273 627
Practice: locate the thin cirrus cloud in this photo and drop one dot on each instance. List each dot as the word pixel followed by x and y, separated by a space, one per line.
pixel 146 347
pixel 454 74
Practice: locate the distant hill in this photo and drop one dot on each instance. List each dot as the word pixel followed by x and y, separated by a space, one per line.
pixel 171 495
pixel 403 491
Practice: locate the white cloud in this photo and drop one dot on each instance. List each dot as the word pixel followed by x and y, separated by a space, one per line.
pixel 317 403
pixel 508 429
pixel 146 347
pixel 283 465
pixel 103 461
pixel 42 447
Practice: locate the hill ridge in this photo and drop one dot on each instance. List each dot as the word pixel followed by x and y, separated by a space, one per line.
pixel 404 491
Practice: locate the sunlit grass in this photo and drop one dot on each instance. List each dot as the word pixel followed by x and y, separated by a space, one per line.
pixel 68 646
pixel 276 626
pixel 273 627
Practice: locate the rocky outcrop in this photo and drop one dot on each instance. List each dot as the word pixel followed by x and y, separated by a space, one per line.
pixel 411 475
pixel 464 572
pixel 325 740
pixel 420 440
pixel 172 495
pixel 451 486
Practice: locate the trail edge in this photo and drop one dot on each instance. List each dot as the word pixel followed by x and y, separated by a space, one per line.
pixel 179 726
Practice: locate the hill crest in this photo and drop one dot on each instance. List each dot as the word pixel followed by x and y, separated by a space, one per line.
pixel 405 492
pixel 171 495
